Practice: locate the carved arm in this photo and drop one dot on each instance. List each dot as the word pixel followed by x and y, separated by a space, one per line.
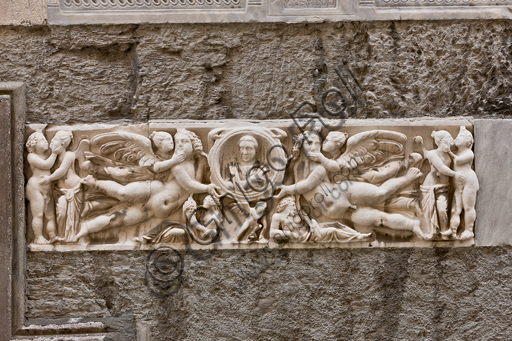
pixel 69 158
pixel 190 185
pixel 37 162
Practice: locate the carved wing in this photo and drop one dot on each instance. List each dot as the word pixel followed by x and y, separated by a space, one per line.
pixel 240 208
pixel 373 149
pixel 124 147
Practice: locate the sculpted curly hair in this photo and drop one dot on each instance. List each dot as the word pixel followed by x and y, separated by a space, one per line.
pixel 197 145
pixel 190 204
pixel 32 141
pixel 283 204
pixel 338 137
pixel 299 140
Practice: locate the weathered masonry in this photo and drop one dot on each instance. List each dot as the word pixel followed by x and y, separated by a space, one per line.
pixel 255 170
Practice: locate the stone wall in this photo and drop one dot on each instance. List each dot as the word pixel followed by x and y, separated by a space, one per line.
pixel 329 294
pixel 260 71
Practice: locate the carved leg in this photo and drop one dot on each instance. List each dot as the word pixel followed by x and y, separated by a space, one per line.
pixel 128 216
pixel 98 205
pixel 133 192
pixel 51 226
pixel 371 217
pixel 442 213
pixel 456 212
pixel 360 193
pixel 37 207
pixel 469 201
pixel 244 228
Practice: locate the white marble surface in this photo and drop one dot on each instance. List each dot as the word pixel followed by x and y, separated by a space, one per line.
pixel 493 164
pixel 247 184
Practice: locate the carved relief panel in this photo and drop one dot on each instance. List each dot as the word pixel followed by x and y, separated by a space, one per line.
pixel 242 184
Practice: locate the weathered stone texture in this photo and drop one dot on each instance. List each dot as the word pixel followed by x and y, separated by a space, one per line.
pixel 329 294
pixel 135 72
pixel 26 12
pixel 140 72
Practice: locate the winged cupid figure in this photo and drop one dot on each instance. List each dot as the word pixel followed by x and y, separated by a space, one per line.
pixel 158 197
pixel 362 201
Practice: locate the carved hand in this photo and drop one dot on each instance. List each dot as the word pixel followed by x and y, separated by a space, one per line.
pixel 317 157
pixel 459 177
pixel 284 191
pixel 178 157
pixel 212 189
pixel 45 179
pixel 58 150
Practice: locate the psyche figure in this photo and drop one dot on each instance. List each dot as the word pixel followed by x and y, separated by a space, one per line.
pixel 332 232
pixel 436 185
pixel 69 185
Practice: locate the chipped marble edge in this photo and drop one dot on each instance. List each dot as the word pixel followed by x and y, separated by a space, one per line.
pixel 271 245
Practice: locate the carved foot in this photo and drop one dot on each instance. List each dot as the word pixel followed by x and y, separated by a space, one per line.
pixel 446 234
pixel 252 237
pixel 416 228
pixel 140 240
pixel 209 235
pixel 84 231
pixel 413 174
pixel 467 235
pixel 363 235
pixel 428 236
pixel 83 240
pixel 41 241
pixel 262 241
pixel 54 240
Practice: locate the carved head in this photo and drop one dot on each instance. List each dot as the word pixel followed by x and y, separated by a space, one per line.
pixel 312 144
pixel 163 141
pixel 189 207
pixel 443 140
pixel 37 143
pixel 334 140
pixel 188 142
pixel 248 147
pixel 209 202
pixel 62 139
pixel 464 139
pixel 287 203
